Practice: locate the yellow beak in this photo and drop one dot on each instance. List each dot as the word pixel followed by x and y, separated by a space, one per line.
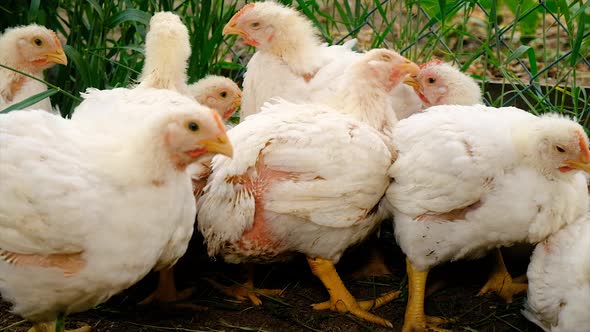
pixel 410 67
pixel 219 145
pixel 237 103
pixel 411 81
pixel 230 29
pixel 58 57
pixel 578 164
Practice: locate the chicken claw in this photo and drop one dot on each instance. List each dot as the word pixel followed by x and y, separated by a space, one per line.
pixel 245 291
pixel 500 281
pixel 340 298
pixel 50 327
pixel 166 293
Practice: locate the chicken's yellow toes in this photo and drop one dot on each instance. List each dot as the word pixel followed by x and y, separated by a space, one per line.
pixel 500 281
pixel 50 327
pixel 245 291
pixel 504 286
pixel 425 323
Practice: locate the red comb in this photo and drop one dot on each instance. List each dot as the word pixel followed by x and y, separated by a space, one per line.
pixel 242 11
pixel 584 146
pixel 57 41
pixel 432 62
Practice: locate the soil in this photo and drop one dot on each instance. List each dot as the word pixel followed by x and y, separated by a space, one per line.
pixel 456 297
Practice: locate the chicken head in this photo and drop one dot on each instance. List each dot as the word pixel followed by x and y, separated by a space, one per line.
pixel 218 93
pixel 439 83
pixel 38 48
pixel 562 145
pixel 191 135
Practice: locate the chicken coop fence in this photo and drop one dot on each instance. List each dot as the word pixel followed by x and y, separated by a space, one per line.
pixel 530 54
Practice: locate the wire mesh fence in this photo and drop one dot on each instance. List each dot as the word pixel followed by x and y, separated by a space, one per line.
pixel 532 54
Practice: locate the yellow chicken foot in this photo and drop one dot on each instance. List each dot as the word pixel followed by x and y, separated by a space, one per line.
pixel 415 320
pixel 246 290
pixel 50 327
pixel 166 293
pixel 501 282
pixel 340 298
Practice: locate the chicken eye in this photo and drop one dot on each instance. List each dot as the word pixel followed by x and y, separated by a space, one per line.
pixel 255 25
pixel 193 126
pixel 38 42
pixel 385 57
pixel 223 94
pixel 431 80
pixel 559 149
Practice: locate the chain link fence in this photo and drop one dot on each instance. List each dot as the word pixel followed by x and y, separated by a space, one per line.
pixel 531 54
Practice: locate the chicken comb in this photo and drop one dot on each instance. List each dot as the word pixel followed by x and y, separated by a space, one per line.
pixel 432 62
pixel 242 11
pixel 583 146
pixel 55 38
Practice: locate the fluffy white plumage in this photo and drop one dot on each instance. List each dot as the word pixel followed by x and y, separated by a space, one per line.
pixel 559 280
pixel 291 167
pixel 167 50
pixel 472 178
pixel 79 201
pixel 289 54
pixel 30 49
pixel 316 205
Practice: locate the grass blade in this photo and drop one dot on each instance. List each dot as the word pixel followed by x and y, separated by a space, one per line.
pixel 30 101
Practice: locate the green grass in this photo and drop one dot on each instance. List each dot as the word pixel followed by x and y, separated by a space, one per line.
pixel 105 41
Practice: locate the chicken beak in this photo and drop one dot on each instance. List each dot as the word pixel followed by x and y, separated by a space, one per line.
pixel 584 166
pixel 58 57
pixel 411 81
pixel 409 67
pixel 237 103
pixel 583 163
pixel 220 145
pixel 230 29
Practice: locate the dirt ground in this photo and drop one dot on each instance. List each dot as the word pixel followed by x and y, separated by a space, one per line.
pixel 456 298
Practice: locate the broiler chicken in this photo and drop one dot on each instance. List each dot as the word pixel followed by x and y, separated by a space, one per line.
pixel 167 50
pixel 437 83
pixel 308 178
pixel 559 280
pixel 167 53
pixel 79 202
pixel 289 53
pixel 469 179
pixel 30 49
pixel 218 93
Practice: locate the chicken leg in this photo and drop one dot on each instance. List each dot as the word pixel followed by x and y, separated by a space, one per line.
pixel 166 292
pixel 415 319
pixel 246 290
pixel 340 298
pixel 501 282
pixel 52 327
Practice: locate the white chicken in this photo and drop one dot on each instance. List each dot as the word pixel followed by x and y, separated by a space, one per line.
pixel 167 50
pixel 218 93
pixel 437 83
pixel 559 280
pixel 469 179
pixel 30 49
pixel 167 53
pixel 308 178
pixel 289 53
pixel 75 216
